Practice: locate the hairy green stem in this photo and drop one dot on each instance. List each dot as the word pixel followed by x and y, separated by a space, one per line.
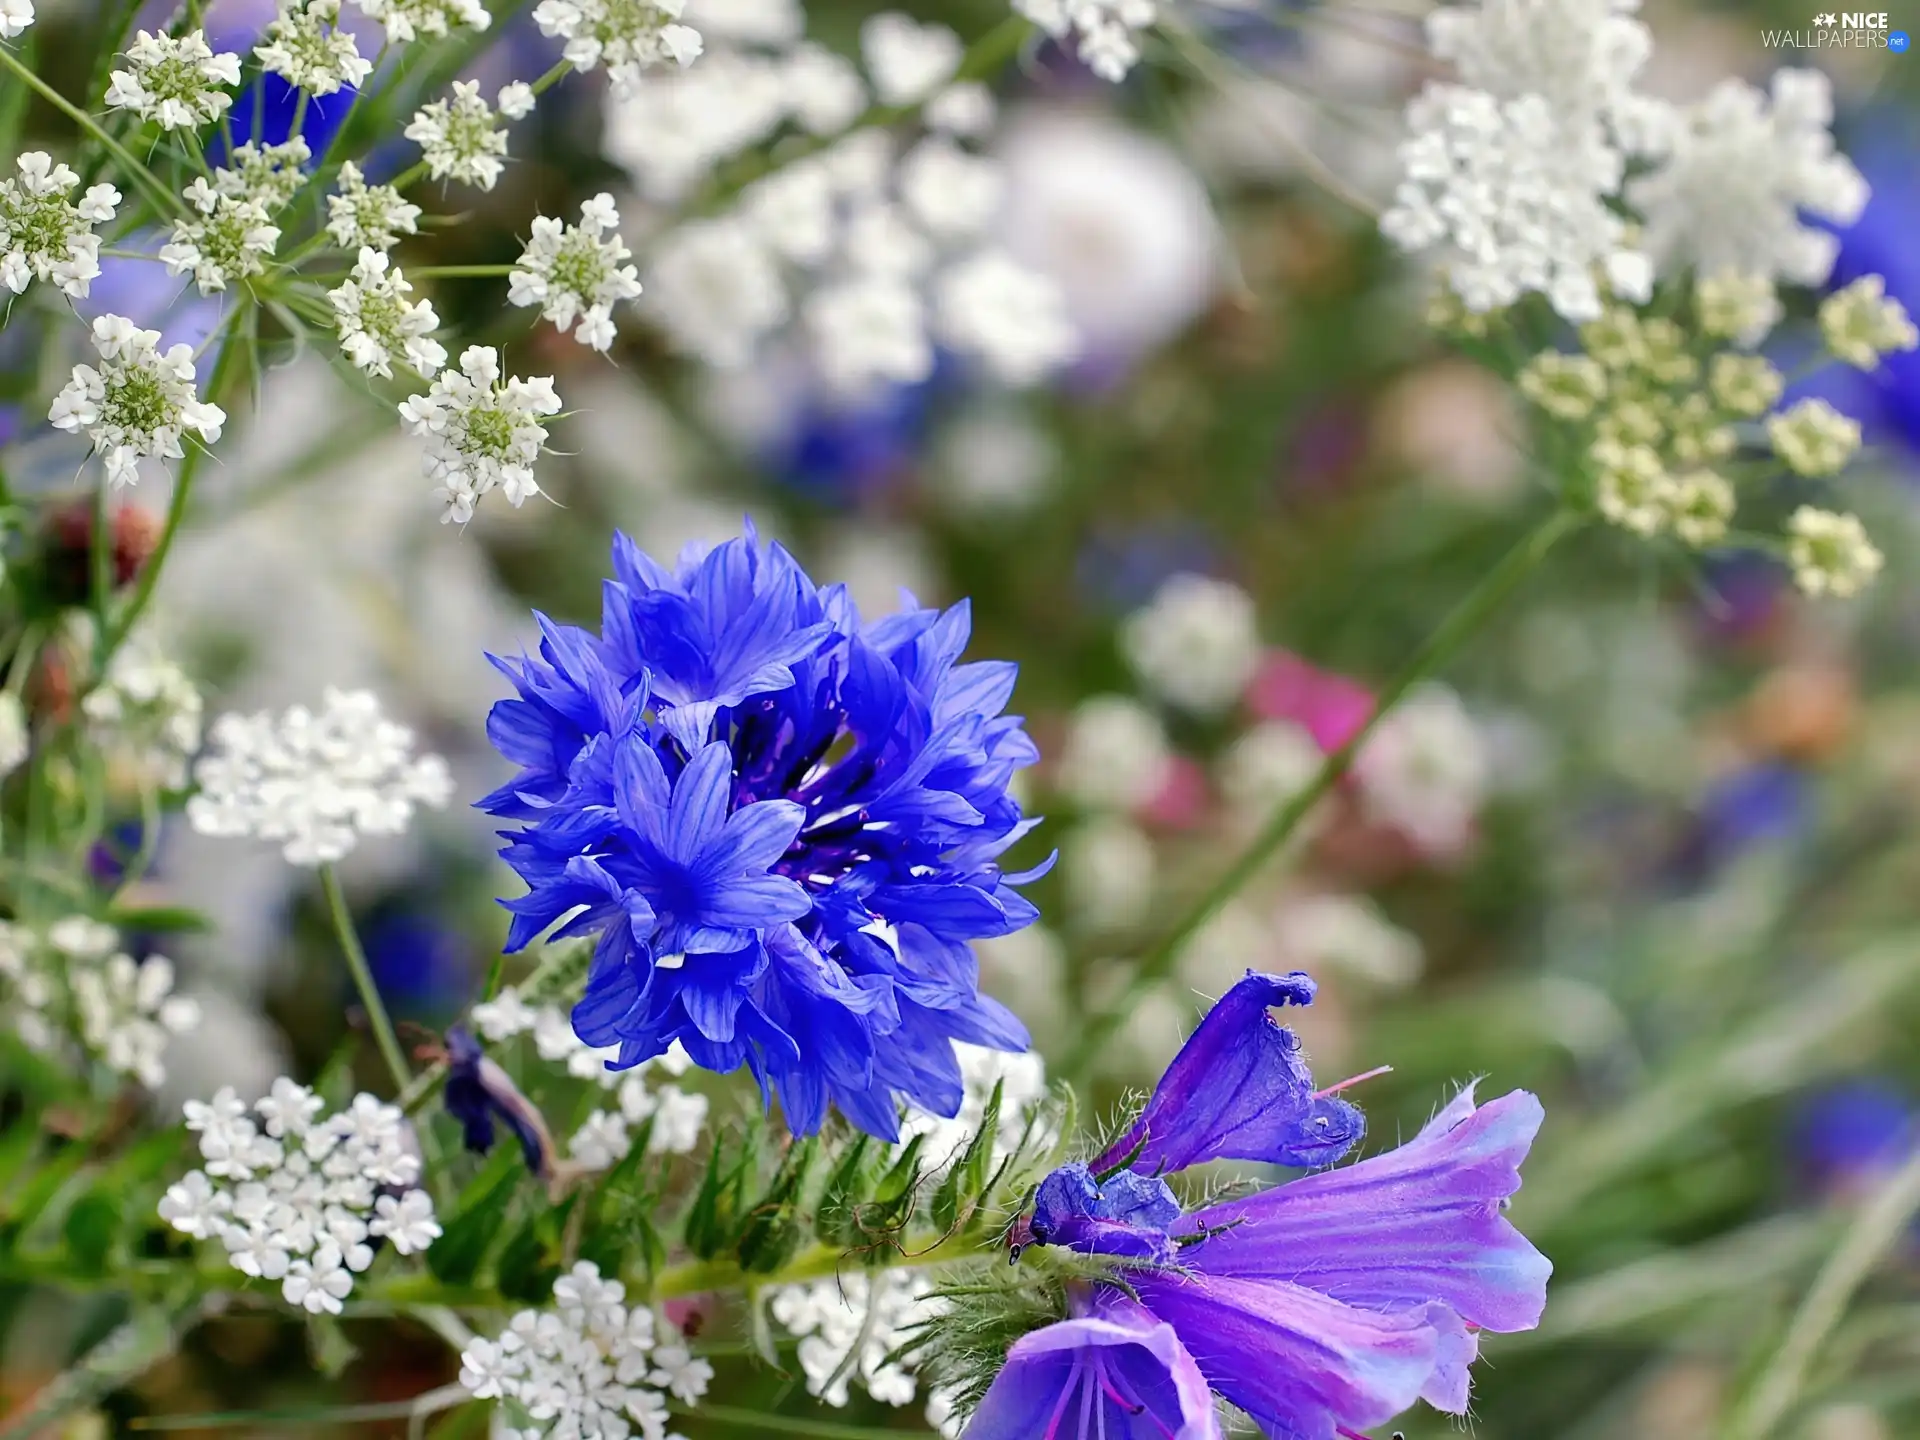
pixel 1442 645
pixel 1879 1227
pixel 377 1017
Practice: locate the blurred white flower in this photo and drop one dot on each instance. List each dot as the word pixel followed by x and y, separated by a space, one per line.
pixel 15 741
pixel 1830 552
pixel 1196 645
pixel 15 17
pixel 1344 934
pixel 407 20
pixel 627 36
pixel 1115 219
pixel 1009 317
pixel 907 61
pixel 1425 771
pixel 1107 867
pixel 314 782
pixel 1115 756
pixel 1265 768
pixel 1741 173
pixel 1106 30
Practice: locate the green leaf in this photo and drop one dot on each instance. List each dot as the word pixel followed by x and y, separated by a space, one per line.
pixel 327 1343
pixel 774 1228
pixel 159 919
pixel 836 1217
pixel 479 1215
pixel 91 1227
pixel 533 1258
pixel 716 1219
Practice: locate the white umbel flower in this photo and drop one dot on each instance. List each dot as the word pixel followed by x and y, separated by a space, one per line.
pixel 1813 438
pixel 1196 645
pixel 314 783
pixel 1012 318
pixel 459 139
pixel 407 20
pixel 306 47
pixel 44 235
pixel 1511 202
pixel 627 36
pixel 176 83
pixel 591 1366
pixel 1830 553
pixel 137 402
pixel 908 61
pixel 1580 56
pixel 1739 176
pixel 270 175
pixel 870 330
pixel 1116 754
pixel 1107 30
pixel 717 290
pixel 15 17
pixel 482 434
pixel 145 713
pixel 576 274
pixel 128 1011
pixel 378 324
pixel 233 240
pixel 851 1329
pixel 300 1196
pixel 1862 322
pixel 368 217
pixel 1425 770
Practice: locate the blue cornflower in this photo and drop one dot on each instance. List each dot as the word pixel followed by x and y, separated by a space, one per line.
pixel 1319 1306
pixel 782 823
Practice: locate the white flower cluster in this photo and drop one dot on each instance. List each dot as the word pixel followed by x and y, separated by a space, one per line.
pixel 627 36
pixel 368 217
pixel 1862 322
pixel 137 402
pixel 1517 176
pixel 233 239
pixel 123 1010
pixel 482 433
pixel 300 1196
pixel 146 713
pixel 863 1316
pixel 406 20
pixel 1116 755
pixel 178 83
pixel 1197 644
pixel 460 139
pixel 379 325
pixel 1830 553
pixel 314 782
pixel 576 274
pixel 879 252
pixel 15 17
pixel 1107 31
pixel 592 1366
pixel 43 234
pixel 1425 771
pixel 606 1137
pixel 306 47
pixel 269 175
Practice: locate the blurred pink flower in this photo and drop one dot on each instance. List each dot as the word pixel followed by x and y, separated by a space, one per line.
pixel 1329 707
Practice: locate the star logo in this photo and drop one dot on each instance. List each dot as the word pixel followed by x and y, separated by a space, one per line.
pixel 1825 19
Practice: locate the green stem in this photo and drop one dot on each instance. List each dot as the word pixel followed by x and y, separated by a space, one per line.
pixel 1879 1227
pixel 561 69
pixel 735 1417
pixel 1441 646
pixel 377 1017
pixel 459 272
pixel 149 575
pixel 164 197
pixel 132 1349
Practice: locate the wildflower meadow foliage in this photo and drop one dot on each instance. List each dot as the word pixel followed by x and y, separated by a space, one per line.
pixel 701 702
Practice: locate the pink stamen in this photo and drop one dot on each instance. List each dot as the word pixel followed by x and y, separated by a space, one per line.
pixel 1335 1089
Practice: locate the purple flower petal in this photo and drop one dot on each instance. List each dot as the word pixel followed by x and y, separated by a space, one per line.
pixel 1420 1223
pixel 1239 1090
pixel 1117 1375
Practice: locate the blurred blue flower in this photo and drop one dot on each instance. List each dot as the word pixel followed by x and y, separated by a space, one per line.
pixel 479 1093
pixel 841 452
pixel 1121 570
pixel 1850 1136
pixel 1318 1306
pixel 782 823
pixel 420 965
pixel 1762 804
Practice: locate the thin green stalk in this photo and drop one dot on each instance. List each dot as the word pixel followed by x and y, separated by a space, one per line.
pixel 735 1417
pixel 1878 1228
pixel 432 1401
pixel 100 561
pixel 149 575
pixel 377 1017
pixel 459 272
pixel 1441 646
pixel 561 69
pixel 164 197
